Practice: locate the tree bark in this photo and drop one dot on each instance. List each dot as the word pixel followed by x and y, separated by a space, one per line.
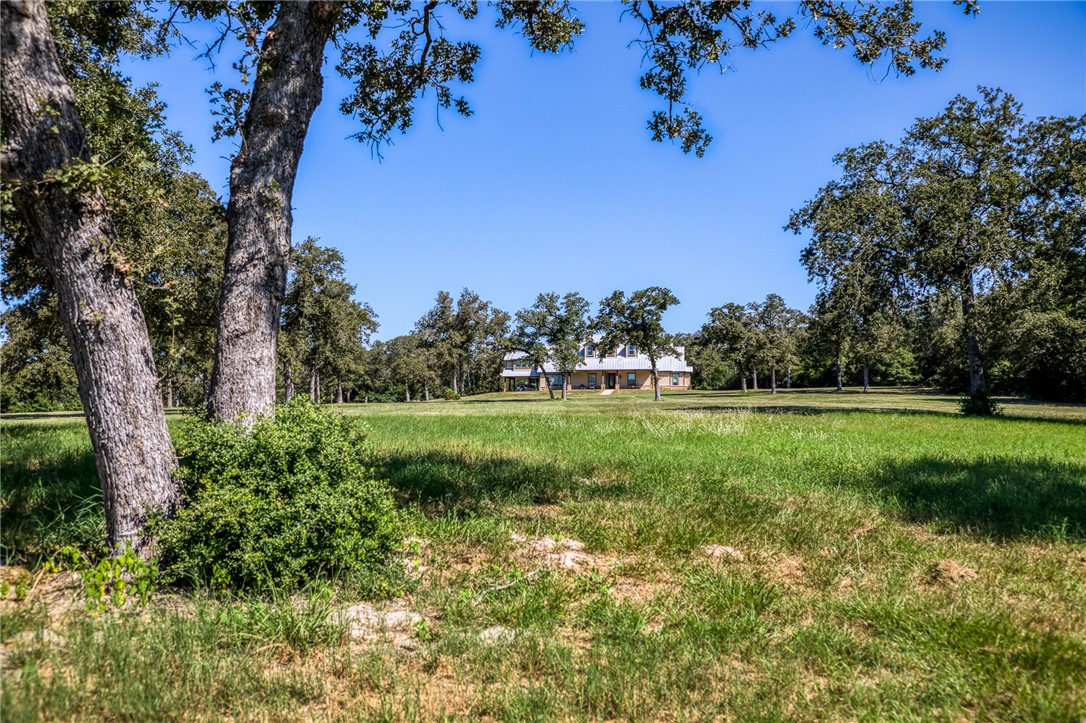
pixel 426 391
pixel 972 343
pixel 742 378
pixel 313 384
pixel 406 392
pixel 754 377
pixel 655 380
pixel 867 385
pixel 73 236
pixel 788 378
pixel 773 378
pixel 288 382
pixel 339 389
pixel 565 386
pixel 839 387
pixel 169 393
pixel 287 90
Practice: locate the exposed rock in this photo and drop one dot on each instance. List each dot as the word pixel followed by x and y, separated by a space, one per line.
pixel 496 634
pixel 366 622
pixel 570 560
pixel 723 551
pixel 34 638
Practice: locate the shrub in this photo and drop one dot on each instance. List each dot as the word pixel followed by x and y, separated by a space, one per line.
pixel 279 506
pixel 978 404
pixel 450 394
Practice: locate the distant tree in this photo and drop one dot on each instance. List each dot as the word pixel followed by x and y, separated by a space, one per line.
pixel 464 339
pixel 638 320
pixel 731 332
pixel 325 329
pixel 956 208
pixel 408 365
pixel 775 328
pixel 554 329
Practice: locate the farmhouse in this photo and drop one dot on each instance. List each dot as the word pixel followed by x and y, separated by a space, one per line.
pixel 624 368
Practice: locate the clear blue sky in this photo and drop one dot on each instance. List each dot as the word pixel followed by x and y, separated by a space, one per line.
pixel 555 185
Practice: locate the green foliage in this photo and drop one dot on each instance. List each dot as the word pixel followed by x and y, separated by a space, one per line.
pixel 112 580
pixel 979 404
pixel 288 502
pixel 450 394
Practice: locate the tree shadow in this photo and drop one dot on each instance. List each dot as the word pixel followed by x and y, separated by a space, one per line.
pixel 812 409
pixel 465 482
pixel 1003 499
pixel 49 501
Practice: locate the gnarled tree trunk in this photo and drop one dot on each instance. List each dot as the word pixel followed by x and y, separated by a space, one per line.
pixel 287 90
pixel 74 238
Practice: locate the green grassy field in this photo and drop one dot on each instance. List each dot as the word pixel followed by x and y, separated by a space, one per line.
pixel 806 556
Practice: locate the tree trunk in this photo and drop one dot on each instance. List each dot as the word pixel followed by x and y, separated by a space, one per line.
pixel 565 386
pixel 754 377
pixel 287 90
pixel 742 378
pixel 773 378
pixel 313 384
pixel 972 342
pixel 169 393
pixel 320 392
pixel 288 382
pixel 73 236
pixel 366 400
pixel 339 389
pixel 788 378
pixel 867 385
pixel 839 386
pixel 455 384
pixel 426 391
pixel 406 392
pixel 655 380
pixel 547 381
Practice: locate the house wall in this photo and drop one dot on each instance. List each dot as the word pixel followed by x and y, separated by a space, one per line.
pixel 643 380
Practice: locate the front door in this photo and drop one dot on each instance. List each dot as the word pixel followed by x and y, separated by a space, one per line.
pixel 611 379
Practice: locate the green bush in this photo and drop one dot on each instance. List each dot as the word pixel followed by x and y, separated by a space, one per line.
pixel 978 404
pixel 288 502
pixel 450 394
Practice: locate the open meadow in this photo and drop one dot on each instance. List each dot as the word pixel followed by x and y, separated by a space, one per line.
pixel 804 556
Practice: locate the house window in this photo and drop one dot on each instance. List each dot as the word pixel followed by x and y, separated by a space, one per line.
pixel 674 380
pixel 589 350
pixel 522 364
pixel 591 381
pixel 631 379
pixel 631 350
pixel 555 380
pixel 509 365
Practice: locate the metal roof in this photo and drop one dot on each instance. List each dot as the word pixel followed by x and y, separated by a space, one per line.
pixel 640 362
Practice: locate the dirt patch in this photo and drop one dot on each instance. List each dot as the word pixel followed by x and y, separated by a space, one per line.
pixel 787 570
pixel 948 573
pixel 395 624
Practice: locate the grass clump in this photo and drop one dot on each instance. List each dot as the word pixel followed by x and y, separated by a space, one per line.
pixel 281 505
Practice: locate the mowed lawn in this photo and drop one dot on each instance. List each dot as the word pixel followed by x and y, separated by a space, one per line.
pixel 807 556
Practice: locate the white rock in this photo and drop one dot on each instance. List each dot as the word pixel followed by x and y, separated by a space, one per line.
pixel 497 634
pixel 723 551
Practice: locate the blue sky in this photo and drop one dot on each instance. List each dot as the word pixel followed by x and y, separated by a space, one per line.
pixel 554 184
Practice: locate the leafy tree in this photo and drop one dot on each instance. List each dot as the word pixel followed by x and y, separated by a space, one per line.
pixel 325 328
pixel 776 334
pixel 464 339
pixel 407 363
pixel 731 333
pixel 638 320
pixel 955 208
pixel 554 330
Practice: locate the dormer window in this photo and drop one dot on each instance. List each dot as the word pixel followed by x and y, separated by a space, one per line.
pixel 522 364
pixel 589 350
pixel 631 350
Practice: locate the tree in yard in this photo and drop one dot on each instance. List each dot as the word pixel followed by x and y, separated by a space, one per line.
pixel 775 328
pixel 638 320
pixel 407 363
pixel 55 185
pixel 732 333
pixel 554 329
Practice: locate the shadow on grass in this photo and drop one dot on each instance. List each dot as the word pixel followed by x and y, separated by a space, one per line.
pixel 458 483
pixel 49 499
pixel 1001 499
pixel 812 409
